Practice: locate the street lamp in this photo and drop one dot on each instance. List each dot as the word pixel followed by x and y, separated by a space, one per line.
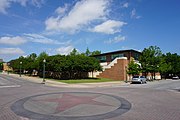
pixel 44 61
pixel 20 68
pixel 126 73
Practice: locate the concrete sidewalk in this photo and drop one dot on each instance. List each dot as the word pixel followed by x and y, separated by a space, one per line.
pixel 61 84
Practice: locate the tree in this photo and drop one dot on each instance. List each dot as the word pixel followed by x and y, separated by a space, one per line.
pixel 173 61
pixel 150 60
pixel 144 60
pixel 39 62
pixel 1 66
pixel 74 52
pixel 164 67
pixel 87 53
pixel 96 52
pixel 32 56
pixel 71 66
pixel 133 68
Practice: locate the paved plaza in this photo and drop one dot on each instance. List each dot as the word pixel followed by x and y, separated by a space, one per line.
pixel 26 98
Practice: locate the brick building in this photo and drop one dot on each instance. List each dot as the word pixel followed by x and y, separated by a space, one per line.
pixel 115 64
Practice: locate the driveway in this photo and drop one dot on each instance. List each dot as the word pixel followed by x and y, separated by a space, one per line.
pixel 22 99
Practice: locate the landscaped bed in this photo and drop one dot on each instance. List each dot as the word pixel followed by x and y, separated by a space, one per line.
pixel 90 80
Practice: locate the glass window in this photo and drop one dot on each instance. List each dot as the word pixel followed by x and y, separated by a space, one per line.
pixel 136 56
pixel 116 55
pixel 101 58
pixel 135 76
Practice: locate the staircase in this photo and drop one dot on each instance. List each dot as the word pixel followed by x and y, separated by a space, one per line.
pixel 116 70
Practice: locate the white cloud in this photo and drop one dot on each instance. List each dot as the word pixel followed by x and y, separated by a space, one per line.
pixel 82 14
pixel 5 4
pixel 62 10
pixel 22 2
pixel 44 40
pixel 116 39
pixel 11 51
pixel 134 14
pixel 109 27
pixel 12 40
pixel 64 50
pixel 125 5
pixel 37 3
pixel 36 38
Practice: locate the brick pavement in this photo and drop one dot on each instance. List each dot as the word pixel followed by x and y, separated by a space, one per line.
pixel 146 103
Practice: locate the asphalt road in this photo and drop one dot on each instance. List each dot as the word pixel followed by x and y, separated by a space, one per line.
pixel 168 84
pixel 21 99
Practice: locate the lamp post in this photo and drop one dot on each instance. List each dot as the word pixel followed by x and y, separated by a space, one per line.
pixel 20 68
pixel 126 73
pixel 44 61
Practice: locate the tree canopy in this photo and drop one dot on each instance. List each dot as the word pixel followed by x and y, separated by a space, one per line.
pixel 133 68
pixel 70 66
pixel 152 60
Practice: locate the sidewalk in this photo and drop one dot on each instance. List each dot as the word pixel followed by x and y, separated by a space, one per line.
pixel 61 84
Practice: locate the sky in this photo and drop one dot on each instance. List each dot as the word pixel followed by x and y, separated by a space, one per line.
pixel 58 26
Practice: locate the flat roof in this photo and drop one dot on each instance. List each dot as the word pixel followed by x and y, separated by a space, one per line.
pixel 114 52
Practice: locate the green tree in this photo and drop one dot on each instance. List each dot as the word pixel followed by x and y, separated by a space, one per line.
pixel 173 61
pixel 133 68
pixel 32 56
pixel 39 62
pixel 96 52
pixel 74 52
pixel 150 60
pixel 164 67
pixel 1 66
pixel 87 53
pixel 71 66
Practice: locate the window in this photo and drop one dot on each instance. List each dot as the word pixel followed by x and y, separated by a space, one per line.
pixel 101 58
pixel 116 55
pixel 136 56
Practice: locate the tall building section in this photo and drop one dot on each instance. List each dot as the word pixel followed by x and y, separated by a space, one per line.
pixel 115 64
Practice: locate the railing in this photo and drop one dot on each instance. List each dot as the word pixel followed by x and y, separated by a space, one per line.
pixel 106 66
pixel 113 62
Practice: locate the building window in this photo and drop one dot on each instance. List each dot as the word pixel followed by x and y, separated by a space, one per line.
pixel 116 55
pixel 101 58
pixel 136 56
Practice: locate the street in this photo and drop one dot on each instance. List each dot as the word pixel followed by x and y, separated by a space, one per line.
pixel 22 98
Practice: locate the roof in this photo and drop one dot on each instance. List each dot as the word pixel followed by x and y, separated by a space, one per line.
pixel 119 51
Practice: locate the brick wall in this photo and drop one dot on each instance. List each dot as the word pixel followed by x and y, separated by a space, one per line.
pixel 116 72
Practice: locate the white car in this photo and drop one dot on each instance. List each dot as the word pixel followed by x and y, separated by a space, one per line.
pixel 139 79
pixel 175 77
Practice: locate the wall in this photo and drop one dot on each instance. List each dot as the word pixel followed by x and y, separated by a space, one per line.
pixel 116 72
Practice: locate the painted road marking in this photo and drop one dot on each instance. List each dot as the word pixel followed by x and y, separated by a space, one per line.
pixel 10 86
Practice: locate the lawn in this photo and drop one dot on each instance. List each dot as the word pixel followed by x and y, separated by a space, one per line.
pixel 90 80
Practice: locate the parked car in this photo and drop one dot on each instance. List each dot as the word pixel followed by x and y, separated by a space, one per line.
pixel 175 77
pixel 139 79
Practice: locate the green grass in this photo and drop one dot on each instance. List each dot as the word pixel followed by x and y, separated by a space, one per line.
pixel 90 80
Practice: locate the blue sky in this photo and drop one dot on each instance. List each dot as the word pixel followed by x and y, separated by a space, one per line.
pixel 58 26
